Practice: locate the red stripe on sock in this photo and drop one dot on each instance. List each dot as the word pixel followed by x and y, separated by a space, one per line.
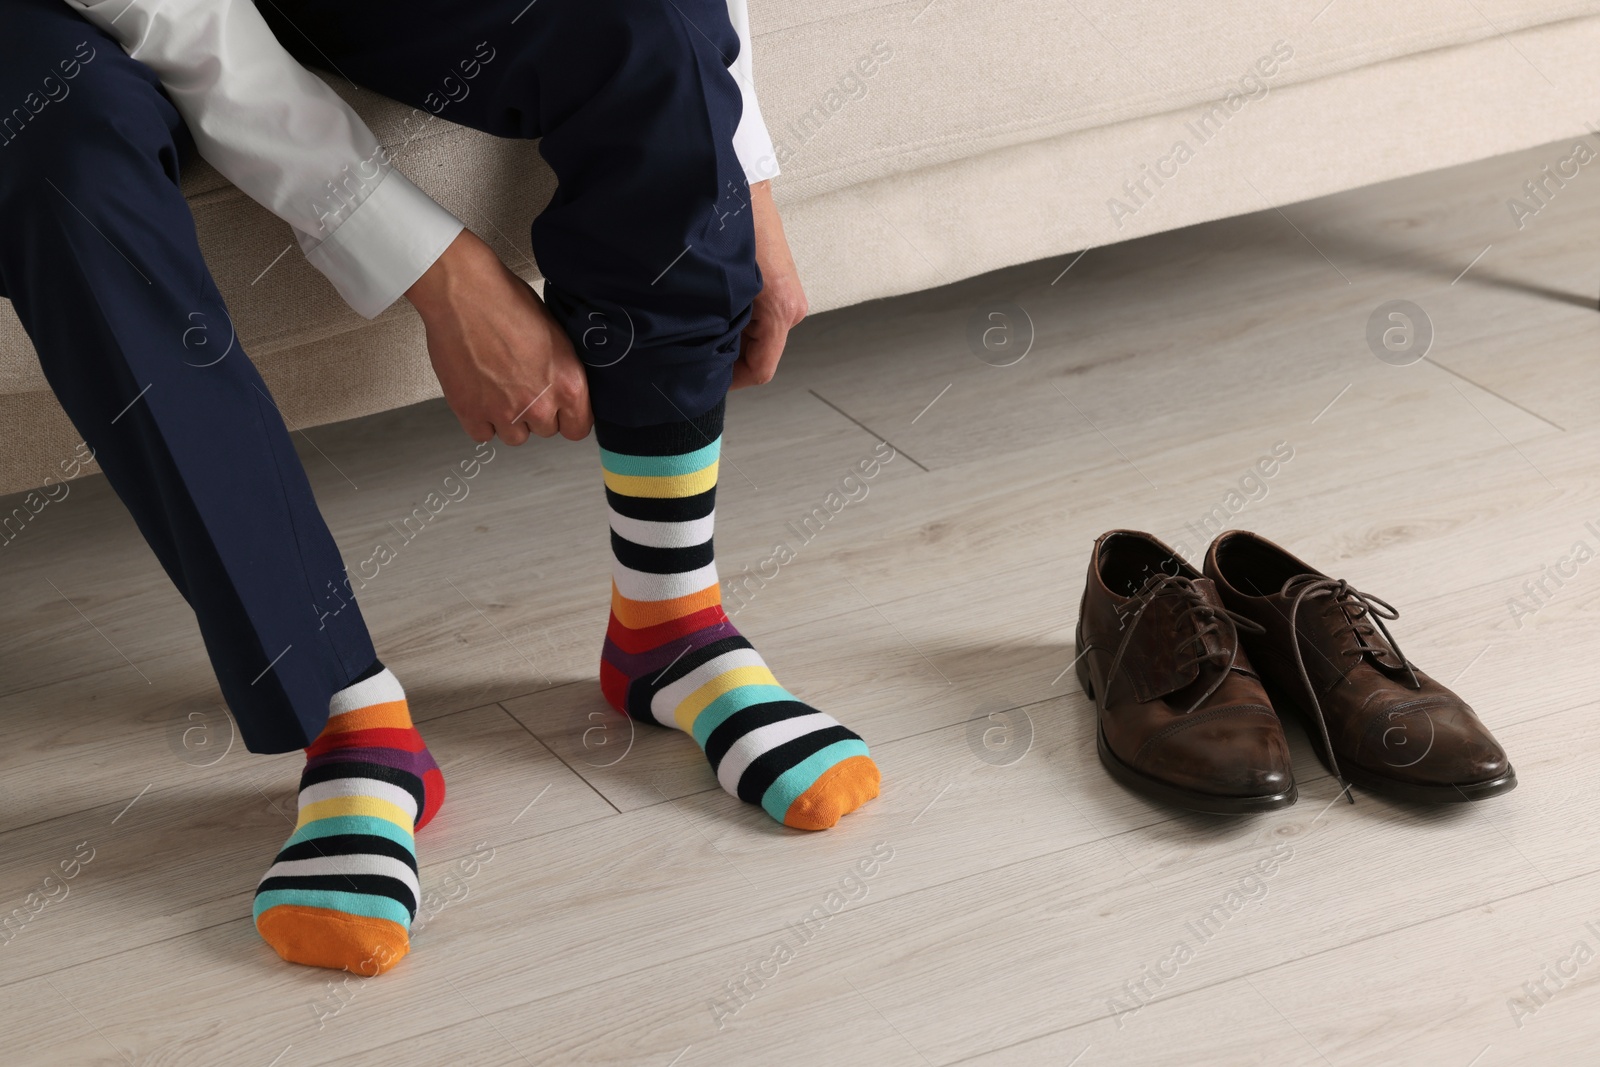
pixel 433 794
pixel 614 684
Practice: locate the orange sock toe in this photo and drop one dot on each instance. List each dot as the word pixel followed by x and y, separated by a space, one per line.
pixel 322 937
pixel 842 789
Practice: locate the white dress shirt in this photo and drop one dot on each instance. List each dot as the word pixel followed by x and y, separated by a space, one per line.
pixel 281 135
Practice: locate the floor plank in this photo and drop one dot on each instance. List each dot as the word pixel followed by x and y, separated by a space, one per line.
pixel 1028 902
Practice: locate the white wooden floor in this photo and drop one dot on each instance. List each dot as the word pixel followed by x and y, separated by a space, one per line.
pixel 1027 903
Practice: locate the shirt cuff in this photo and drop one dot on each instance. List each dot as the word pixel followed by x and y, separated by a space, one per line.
pixel 752 143
pixel 384 245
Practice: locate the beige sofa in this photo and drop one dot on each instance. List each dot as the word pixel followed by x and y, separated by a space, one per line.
pixel 987 134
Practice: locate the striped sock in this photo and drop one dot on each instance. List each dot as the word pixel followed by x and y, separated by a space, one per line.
pixel 343 890
pixel 671 655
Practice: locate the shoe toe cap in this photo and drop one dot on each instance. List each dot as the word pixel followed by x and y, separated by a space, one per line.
pixel 1237 754
pixel 1439 745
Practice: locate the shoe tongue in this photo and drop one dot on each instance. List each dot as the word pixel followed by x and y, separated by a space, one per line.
pixel 1213 642
pixel 1161 656
pixel 1378 654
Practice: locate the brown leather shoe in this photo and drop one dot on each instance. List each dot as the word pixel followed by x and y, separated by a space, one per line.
pixel 1375 720
pixel 1182 717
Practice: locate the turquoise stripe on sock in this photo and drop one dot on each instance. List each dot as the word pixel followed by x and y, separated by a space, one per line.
pixel 352 824
pixel 369 905
pixel 802 776
pixel 733 701
pixel 661 466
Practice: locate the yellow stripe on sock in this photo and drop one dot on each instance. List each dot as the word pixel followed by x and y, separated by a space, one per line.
pixel 676 485
pixel 355 805
pixel 696 702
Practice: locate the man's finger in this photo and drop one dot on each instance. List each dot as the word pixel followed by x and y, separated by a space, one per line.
pixel 761 355
pixel 576 418
pixel 576 421
pixel 542 419
pixel 513 433
pixel 477 429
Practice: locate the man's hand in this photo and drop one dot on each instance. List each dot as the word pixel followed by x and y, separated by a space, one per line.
pixel 780 304
pixel 505 365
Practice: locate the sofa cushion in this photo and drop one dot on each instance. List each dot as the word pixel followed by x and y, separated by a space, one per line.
pixel 967 77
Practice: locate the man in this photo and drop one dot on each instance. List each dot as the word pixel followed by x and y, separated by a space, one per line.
pixel 653 141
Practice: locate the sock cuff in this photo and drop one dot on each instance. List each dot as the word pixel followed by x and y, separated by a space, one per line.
pixel 381 688
pixel 663 438
pixel 376 668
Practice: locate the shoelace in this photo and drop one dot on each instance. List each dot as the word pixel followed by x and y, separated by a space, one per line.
pixel 1357 608
pixel 1207 618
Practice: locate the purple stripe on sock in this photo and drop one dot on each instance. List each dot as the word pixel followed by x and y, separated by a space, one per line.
pixel 639 664
pixel 418 763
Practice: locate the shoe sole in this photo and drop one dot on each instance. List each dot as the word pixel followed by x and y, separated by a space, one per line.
pixel 1175 796
pixel 1464 793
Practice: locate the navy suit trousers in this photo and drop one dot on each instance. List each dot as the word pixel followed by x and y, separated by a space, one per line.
pixel 648 254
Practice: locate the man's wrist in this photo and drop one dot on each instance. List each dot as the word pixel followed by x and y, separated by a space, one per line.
pixel 433 290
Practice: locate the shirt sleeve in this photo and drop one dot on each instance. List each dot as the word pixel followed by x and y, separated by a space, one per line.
pixel 288 141
pixel 751 141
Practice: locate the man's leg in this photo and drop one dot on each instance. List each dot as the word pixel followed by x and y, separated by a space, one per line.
pixel 648 249
pixel 98 255
pixel 673 657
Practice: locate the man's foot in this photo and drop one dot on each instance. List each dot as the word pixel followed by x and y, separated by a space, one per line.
pixel 343 890
pixel 671 655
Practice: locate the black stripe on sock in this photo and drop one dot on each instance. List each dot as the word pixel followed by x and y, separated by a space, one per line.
pixel 665 508
pixel 373 885
pixel 644 688
pixel 663 438
pixel 745 720
pixel 359 768
pixel 766 769
pixel 690 661
pixel 661 560
pixel 348 845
